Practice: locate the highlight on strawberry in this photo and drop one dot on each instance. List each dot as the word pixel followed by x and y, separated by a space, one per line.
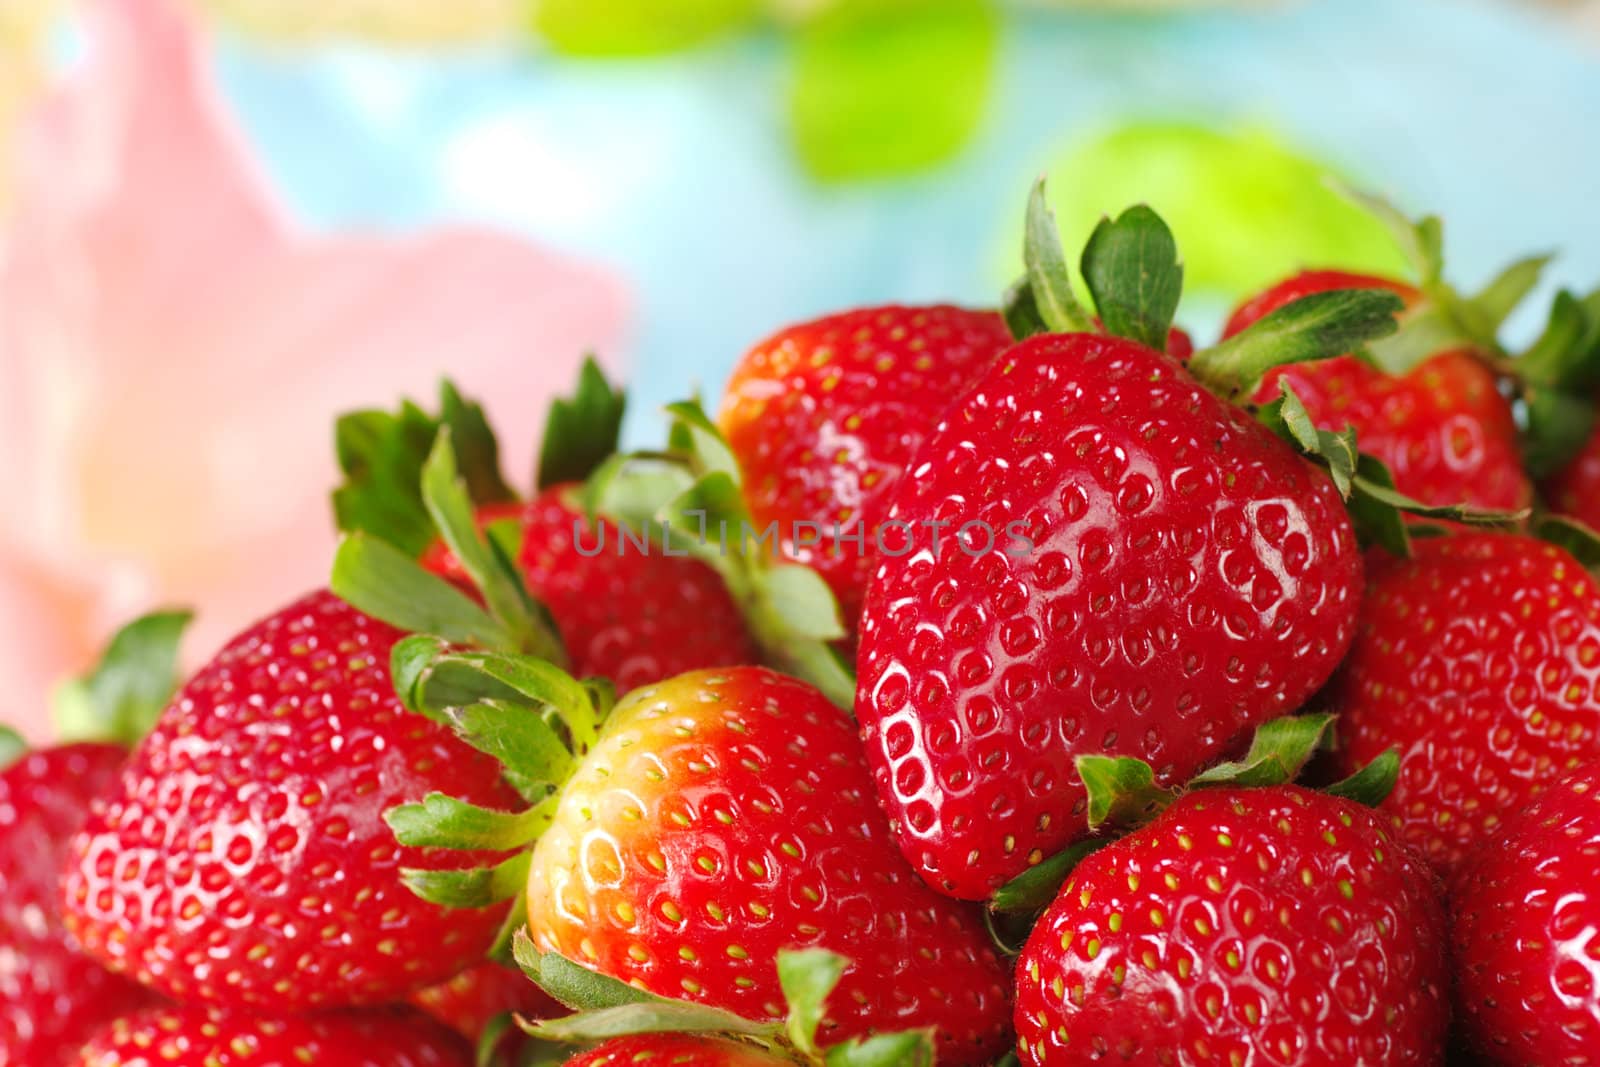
pixel 1014 686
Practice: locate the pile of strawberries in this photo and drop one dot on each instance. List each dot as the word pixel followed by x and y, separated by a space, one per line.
pixel 977 687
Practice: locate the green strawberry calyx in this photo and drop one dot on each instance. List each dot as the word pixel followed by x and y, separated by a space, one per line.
pixel 693 493
pixel 1123 795
pixel 122 696
pixel 1556 379
pixel 12 746
pixel 605 1008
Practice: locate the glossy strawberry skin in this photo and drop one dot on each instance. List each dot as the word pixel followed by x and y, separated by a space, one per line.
pixel 51 995
pixel 1574 490
pixel 206 1037
pixel 724 816
pixel 1479 660
pixel 1525 923
pixel 629 613
pixel 824 416
pixel 245 859
pixel 674 1050
pixel 1253 926
pixel 1443 429
pixel 1189 577
pixel 468 1002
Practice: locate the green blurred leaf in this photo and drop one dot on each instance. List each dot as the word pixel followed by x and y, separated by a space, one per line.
pixel 1278 752
pixel 120 700
pixel 581 430
pixel 12 746
pixel 1372 784
pixel 1247 206
pixel 887 88
pixel 601 28
pixel 808 977
pixel 1035 888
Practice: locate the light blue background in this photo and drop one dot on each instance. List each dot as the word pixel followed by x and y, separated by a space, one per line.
pixel 678 172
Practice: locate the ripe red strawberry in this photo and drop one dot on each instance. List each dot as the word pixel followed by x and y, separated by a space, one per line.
pixel 205 1037
pixel 468 1002
pixel 1574 490
pixel 1525 917
pixel 675 1050
pixel 824 416
pixel 245 858
pixel 1189 576
pixel 629 613
pixel 51 996
pixel 1242 926
pixel 723 816
pixel 1443 428
pixel 1478 659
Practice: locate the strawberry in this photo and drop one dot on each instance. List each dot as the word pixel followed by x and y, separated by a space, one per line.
pixel 823 417
pixel 1259 926
pixel 620 606
pixel 1524 919
pixel 1130 564
pixel 53 996
pixel 1574 489
pixel 675 1050
pixel 473 999
pixel 1478 659
pixel 243 858
pixel 723 816
pixel 629 614
pixel 206 1037
pixel 1442 427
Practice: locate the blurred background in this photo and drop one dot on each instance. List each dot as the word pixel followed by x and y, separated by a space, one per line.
pixel 222 221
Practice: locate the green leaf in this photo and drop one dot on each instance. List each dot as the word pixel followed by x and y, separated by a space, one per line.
pixel 804 602
pixel 381 580
pixel 1486 311
pixel 120 700
pixel 1557 424
pixel 1008 1060
pixel 645 1017
pixel 12 746
pixel 571 984
pixel 908 1048
pixel 581 430
pixel 1020 310
pixel 1376 520
pixel 519 738
pixel 1427 331
pixel 381 456
pixel 637 27
pixel 808 978
pixel 886 89
pixel 1122 791
pixel 1421 241
pixel 1318 326
pixel 409 662
pixel 455 679
pixel 1035 888
pixel 473 888
pixel 486 1051
pixel 1278 752
pixel 1373 482
pixel 477 451
pixel 441 821
pixel 1564 356
pixel 1336 451
pixel 1372 784
pixel 708 452
pixel 1132 270
pixel 1048 274
pixel 631 490
pixel 444 494
pixel 1578 539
